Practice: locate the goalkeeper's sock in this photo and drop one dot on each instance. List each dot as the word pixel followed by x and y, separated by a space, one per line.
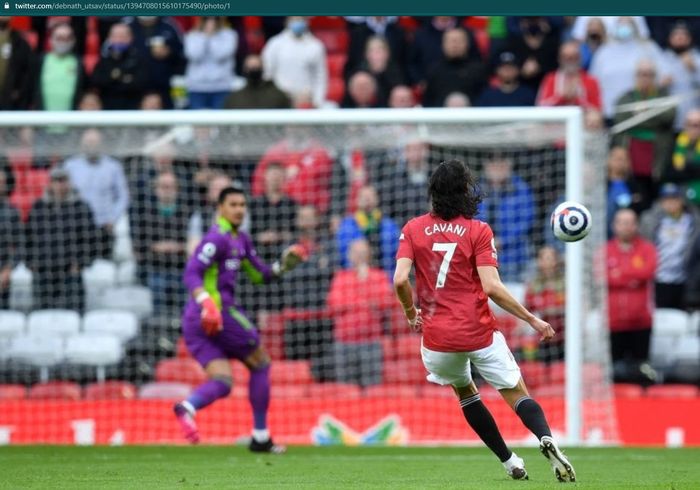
pixel 259 397
pixel 207 393
pixel 532 416
pixel 480 419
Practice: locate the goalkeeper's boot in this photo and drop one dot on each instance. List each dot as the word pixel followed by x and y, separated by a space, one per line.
pixel 515 467
pixel 186 418
pixel 266 447
pixel 561 466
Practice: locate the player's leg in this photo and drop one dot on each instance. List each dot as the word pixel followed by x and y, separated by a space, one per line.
pixel 453 368
pixel 498 367
pixel 258 362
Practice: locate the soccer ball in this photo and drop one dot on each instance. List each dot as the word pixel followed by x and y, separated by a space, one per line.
pixel 571 221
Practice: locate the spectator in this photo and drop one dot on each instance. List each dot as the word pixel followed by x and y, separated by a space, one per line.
pixel 569 84
pixel 692 291
pixel 630 267
pixel 61 77
pixel 369 222
pixel 427 48
pixel 161 159
pixel 683 60
pixel 151 101
pixel 672 226
pixel 100 182
pixel 16 69
pixel 595 37
pixel 545 297
pixel 272 215
pixel 535 45
pixel 616 61
pixel 210 49
pixel 508 91
pixel 379 62
pixel 362 92
pixel 387 29
pixel 403 185
pixel 159 41
pixel 660 27
pixel 120 76
pixel 295 60
pixel 685 163
pixel 257 93
pixel 90 101
pixel 43 27
pixel 401 97
pixel 60 243
pixel 649 142
pixel 358 299
pixel 11 235
pixel 308 169
pixel 609 22
pixel 456 100
pixel 159 237
pixel 510 210
pixel 623 189
pixel 455 72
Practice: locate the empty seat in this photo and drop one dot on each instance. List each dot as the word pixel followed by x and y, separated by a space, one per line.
pixel 662 349
pixel 627 390
pixel 407 371
pixel 53 323
pixel 391 391
pixel 388 349
pixel 180 371
pixel 40 351
pixel 431 390
pixel 126 273
pixel 336 64
pixel 12 323
pixel 534 373
pixel 292 392
pixel 12 392
pixel 336 89
pixel 137 299
pixel 407 347
pixel 110 390
pixel 334 40
pixel 549 391
pixel 241 374
pixel 334 390
pixel 55 390
pixel 557 372
pixel 100 274
pixel 290 372
pixel 21 288
pixel 93 349
pixel 165 391
pixel 120 323
pixel 688 350
pixel 672 391
pixel 669 321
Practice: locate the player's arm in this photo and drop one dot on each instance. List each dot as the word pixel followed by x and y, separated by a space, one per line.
pixel 205 256
pixel 260 273
pixel 404 292
pixel 497 291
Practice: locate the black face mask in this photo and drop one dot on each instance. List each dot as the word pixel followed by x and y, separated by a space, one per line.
pixel 680 49
pixel 594 38
pixel 534 29
pixel 254 76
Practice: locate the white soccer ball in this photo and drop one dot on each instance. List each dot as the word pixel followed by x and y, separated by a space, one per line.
pixel 571 221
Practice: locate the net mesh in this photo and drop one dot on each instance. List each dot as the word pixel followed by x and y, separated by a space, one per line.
pixel 91 325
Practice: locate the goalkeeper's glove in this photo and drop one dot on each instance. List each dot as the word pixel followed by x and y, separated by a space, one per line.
pixel 212 323
pixel 291 257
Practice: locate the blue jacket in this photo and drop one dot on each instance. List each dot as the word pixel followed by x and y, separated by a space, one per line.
pixel 349 230
pixel 511 213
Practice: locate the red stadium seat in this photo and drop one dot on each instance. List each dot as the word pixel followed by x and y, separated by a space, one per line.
pixel 627 390
pixel 55 390
pixel 409 24
pixel 326 22
pixel 673 391
pixel 336 64
pixel 488 392
pixel 252 22
pixel 388 348
pixel 407 347
pixel 553 391
pixel 165 391
pixel 181 350
pixel 336 89
pixel 290 373
pixel 272 334
pixel 557 372
pixel 432 390
pixel 186 371
pixel 110 390
pixel 293 392
pixel 404 371
pixel 335 40
pixel 92 43
pixel 391 391
pixel 241 375
pixel 13 392
pixel 89 62
pixel 32 39
pixel 483 42
pixel 534 373
pixel 334 390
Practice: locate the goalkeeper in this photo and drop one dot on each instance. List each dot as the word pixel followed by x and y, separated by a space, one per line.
pixel 216 329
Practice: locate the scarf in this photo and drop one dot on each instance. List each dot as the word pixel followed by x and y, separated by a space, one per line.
pixel 682 152
pixel 368 223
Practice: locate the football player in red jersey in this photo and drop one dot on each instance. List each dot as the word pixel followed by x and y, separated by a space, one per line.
pixel 456 273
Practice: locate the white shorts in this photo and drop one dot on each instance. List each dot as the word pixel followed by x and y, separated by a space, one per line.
pixel 495 363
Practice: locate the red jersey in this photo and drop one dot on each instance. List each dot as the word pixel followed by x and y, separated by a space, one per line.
pixel 454 307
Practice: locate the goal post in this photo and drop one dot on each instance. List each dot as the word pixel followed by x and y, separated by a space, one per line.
pixel 549 146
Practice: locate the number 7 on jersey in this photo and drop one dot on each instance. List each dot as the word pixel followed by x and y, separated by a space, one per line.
pixel 449 249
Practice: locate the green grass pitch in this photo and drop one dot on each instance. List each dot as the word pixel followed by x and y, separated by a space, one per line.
pixel 334 468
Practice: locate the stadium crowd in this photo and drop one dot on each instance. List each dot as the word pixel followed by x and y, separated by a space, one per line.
pixel 349 212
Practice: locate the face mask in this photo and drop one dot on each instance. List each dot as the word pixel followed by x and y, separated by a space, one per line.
pixel 594 38
pixel 680 49
pixel 298 27
pixel 534 29
pixel 254 76
pixel 119 48
pixel 624 32
pixel 62 47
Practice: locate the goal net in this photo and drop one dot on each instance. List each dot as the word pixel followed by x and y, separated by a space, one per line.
pixel 111 204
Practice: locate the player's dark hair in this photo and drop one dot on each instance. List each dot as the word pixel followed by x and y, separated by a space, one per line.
pixel 453 191
pixel 227 191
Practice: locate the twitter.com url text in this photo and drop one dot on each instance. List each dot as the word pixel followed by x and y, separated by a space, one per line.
pixel 123 6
